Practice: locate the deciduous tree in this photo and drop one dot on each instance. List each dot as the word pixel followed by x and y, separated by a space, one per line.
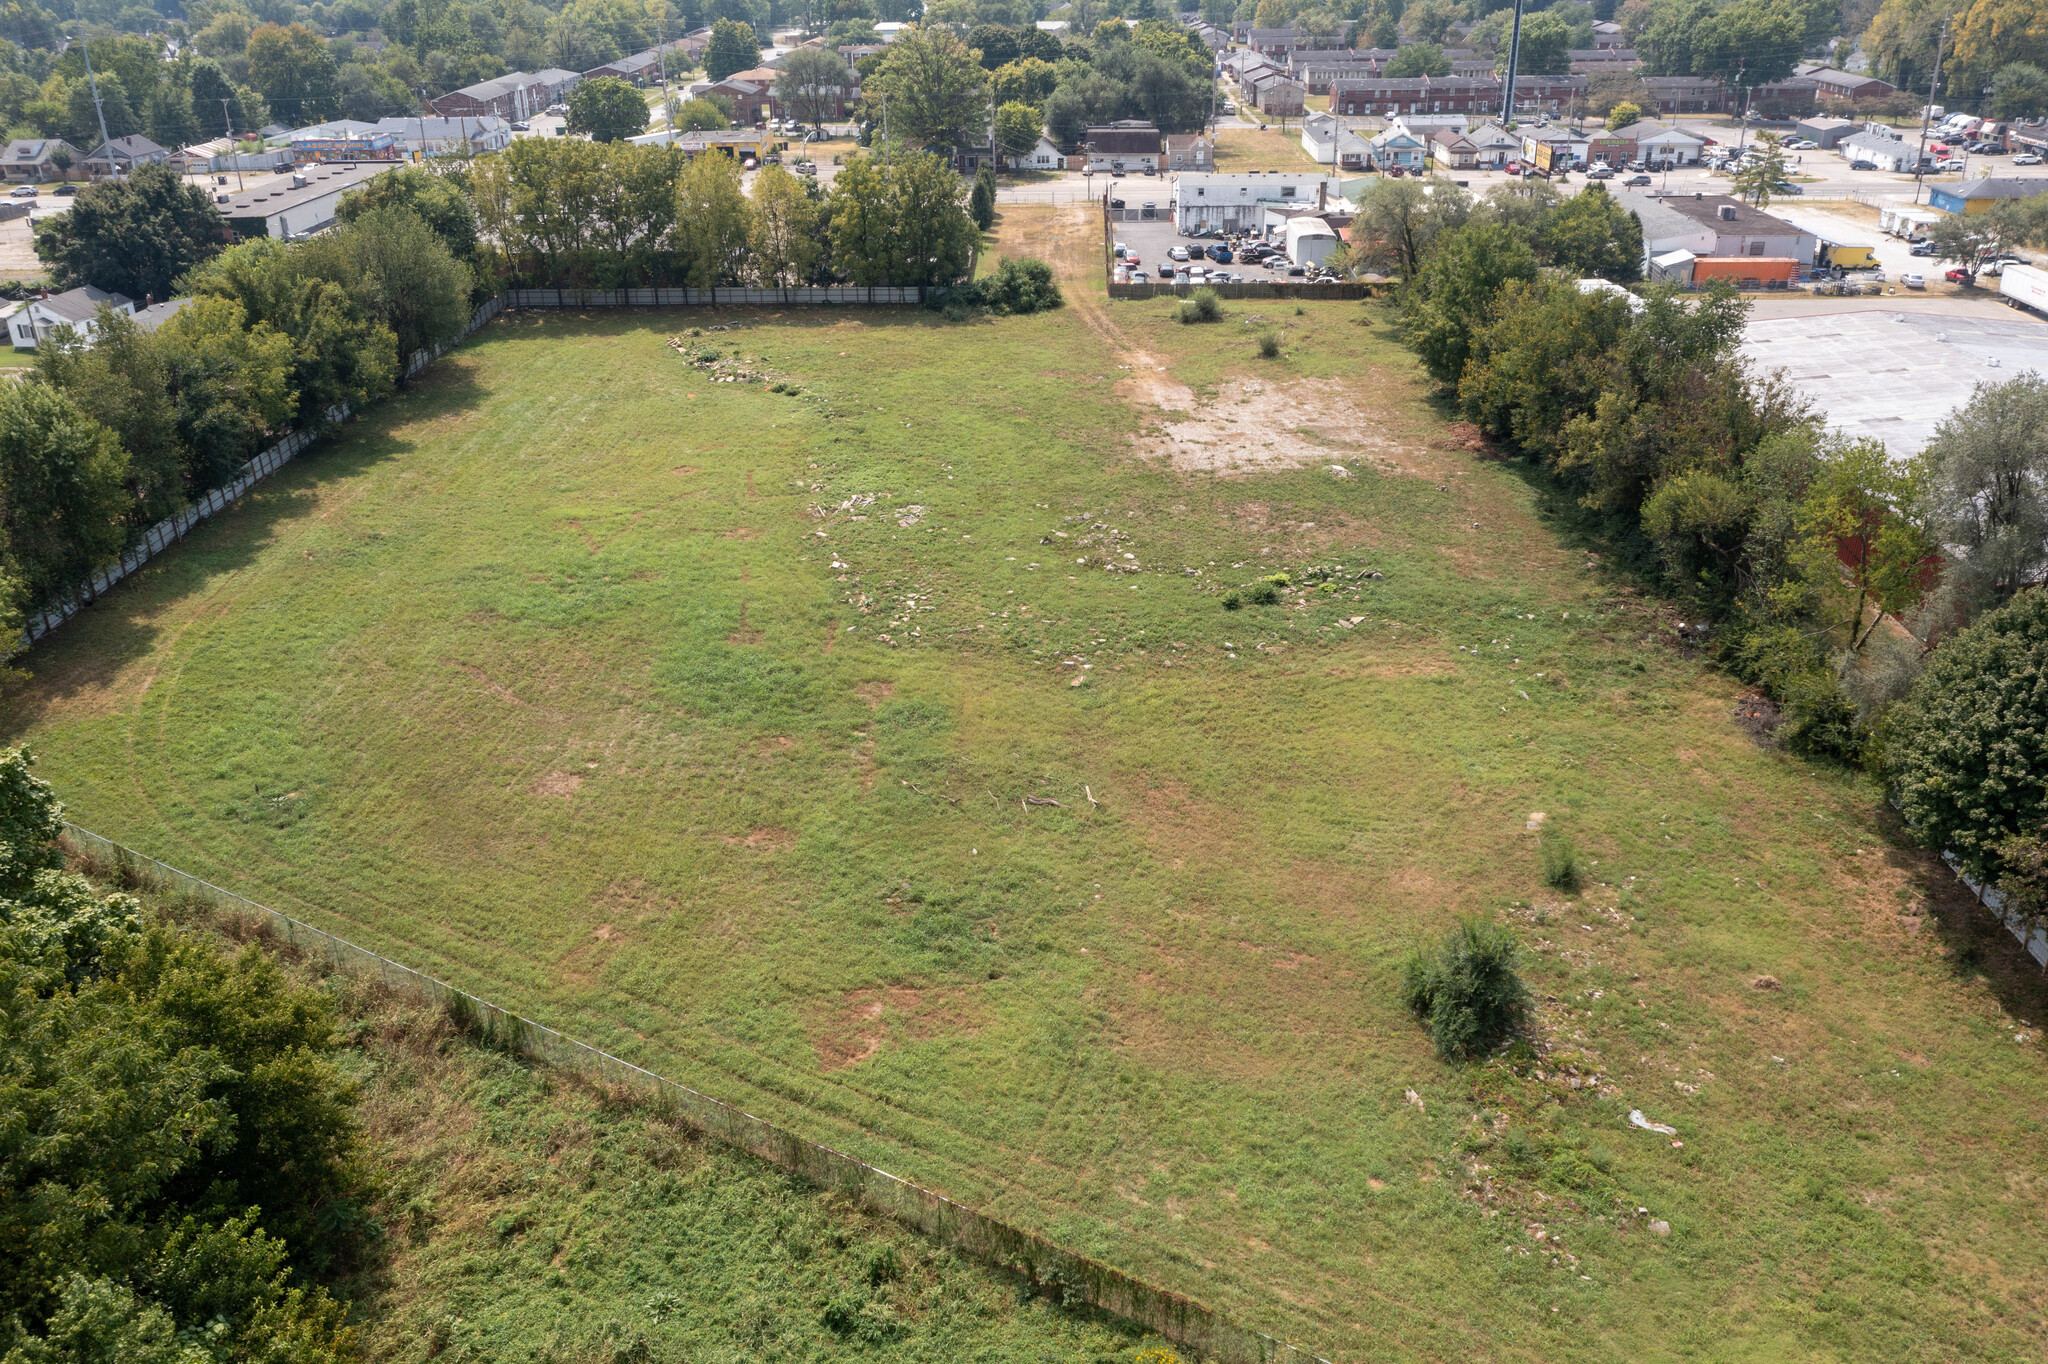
pixel 607 109
pixel 66 502
pixel 733 47
pixel 713 221
pixel 935 90
pixel 783 239
pixel 132 236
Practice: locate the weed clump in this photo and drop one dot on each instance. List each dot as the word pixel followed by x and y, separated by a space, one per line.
pixel 1468 989
pixel 1201 306
pixel 1264 592
pixel 1560 861
pixel 1233 602
pixel 1269 345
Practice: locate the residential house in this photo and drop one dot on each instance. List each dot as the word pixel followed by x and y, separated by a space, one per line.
pixel 645 68
pixel 1660 144
pixel 419 136
pixel 1453 149
pixel 1190 152
pixel 1496 146
pixel 1715 227
pixel 1793 97
pixel 1594 61
pixel 1235 201
pixel 1607 33
pixel 518 95
pixel 1688 94
pixel 74 308
pixel 1328 142
pixel 156 314
pixel 1273 42
pixel 1275 94
pixel 1882 148
pixel 122 155
pixel 1980 195
pixel 1834 83
pixel 1395 148
pixel 1825 133
pixel 1045 156
pixel 1415 95
pixel 33 160
pixel 1129 144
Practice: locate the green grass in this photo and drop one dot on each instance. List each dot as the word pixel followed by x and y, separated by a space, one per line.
pixel 602 690
pixel 533 1217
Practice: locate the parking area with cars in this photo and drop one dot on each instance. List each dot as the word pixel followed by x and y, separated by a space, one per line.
pixel 1155 242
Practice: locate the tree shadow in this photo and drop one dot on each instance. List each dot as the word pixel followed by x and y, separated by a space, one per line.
pixel 1975 942
pixel 132 621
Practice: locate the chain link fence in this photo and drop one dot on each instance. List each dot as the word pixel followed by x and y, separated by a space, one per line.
pixel 1073 1279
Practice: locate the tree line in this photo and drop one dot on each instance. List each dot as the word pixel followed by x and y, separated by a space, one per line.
pixel 109 435
pixel 182 1168
pixel 560 213
pixel 1893 609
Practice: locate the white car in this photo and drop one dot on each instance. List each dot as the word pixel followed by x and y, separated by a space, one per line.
pixel 1140 277
pixel 1913 281
pixel 1120 250
pixel 25 192
pixel 2028 160
pixel 1177 253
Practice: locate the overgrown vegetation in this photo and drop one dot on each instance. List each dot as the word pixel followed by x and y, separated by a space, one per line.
pixel 1467 989
pixel 1203 305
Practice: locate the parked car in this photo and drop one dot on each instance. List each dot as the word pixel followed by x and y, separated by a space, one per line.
pixel 558 109
pixel 1638 179
pixel 65 191
pixel 1119 250
pixel 1600 173
pixel 1863 165
pixel 1220 254
pixel 1953 163
pixel 1140 277
pixel 1177 253
pixel 1959 276
pixel 1132 260
pixel 2029 159
pixel 1116 203
pixel 1802 145
pixel 806 168
pixel 25 192
pixel 1923 248
pixel 1992 149
pixel 1116 175
pixel 1293 270
pixel 1913 280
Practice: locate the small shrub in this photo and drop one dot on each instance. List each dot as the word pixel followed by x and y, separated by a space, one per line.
pixel 1269 345
pixel 1278 580
pixel 1201 306
pixel 1300 311
pixel 1468 990
pixel 1014 286
pixel 884 1266
pixel 1232 602
pixel 1263 593
pixel 1560 861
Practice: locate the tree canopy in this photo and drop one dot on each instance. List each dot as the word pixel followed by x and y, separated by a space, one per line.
pixel 133 236
pixel 608 109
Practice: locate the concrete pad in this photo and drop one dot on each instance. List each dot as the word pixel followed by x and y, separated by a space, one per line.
pixel 1893 372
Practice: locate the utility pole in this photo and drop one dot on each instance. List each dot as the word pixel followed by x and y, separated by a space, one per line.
pixel 233 155
pixel 1742 137
pixel 1927 114
pixel 1507 99
pixel 106 143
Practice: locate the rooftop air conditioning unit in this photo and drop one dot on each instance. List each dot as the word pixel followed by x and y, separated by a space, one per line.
pixel 222 198
pixel 1727 213
pixel 300 182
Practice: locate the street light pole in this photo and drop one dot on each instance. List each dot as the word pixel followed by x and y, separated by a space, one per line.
pixel 1507 99
pixel 1927 114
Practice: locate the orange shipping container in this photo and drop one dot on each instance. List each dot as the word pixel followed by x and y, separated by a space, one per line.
pixel 1747 272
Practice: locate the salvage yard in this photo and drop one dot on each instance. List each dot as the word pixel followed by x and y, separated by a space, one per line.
pixel 865 741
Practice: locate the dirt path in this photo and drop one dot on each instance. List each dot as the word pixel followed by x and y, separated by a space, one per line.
pixel 1249 425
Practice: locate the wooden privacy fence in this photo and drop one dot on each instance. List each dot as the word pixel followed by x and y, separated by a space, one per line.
pixel 798 296
pixel 1072 1278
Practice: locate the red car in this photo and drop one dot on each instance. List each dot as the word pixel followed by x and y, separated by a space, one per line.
pixel 1959 276
pixel 1513 168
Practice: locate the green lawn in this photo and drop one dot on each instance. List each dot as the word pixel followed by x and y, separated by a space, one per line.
pixel 700 721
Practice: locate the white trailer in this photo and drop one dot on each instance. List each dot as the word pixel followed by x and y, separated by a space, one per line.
pixel 2025 286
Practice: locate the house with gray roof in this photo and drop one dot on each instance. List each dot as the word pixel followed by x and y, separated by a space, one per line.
pixel 33 160
pixel 77 309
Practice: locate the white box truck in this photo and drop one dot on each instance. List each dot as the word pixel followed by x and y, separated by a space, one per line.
pixel 2025 286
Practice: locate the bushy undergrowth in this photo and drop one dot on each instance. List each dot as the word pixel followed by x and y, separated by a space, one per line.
pixel 1201 306
pixel 1013 287
pixel 1560 861
pixel 1467 989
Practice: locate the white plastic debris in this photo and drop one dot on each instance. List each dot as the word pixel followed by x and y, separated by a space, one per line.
pixel 1636 1119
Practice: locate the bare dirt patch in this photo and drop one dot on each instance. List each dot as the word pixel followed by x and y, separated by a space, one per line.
pixel 556 784
pixel 484 679
pixel 875 693
pixel 1256 426
pixel 857 1026
pixel 763 838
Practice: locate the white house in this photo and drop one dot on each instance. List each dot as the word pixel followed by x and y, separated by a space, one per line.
pixel 1881 148
pixel 1661 144
pixel 1045 156
pixel 74 308
pixel 1327 141
pixel 1233 201
pixel 1395 148
pixel 1714 227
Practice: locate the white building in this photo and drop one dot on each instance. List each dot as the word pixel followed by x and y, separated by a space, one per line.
pixel 1310 240
pixel 1045 156
pixel 77 309
pixel 1714 227
pixel 298 207
pixel 1661 144
pixel 1232 201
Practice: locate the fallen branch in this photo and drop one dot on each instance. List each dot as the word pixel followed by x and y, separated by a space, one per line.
pixel 1030 801
pixel 922 792
pixel 1091 796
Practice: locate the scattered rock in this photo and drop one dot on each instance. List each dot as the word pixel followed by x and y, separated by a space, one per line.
pixel 1766 983
pixel 1660 1228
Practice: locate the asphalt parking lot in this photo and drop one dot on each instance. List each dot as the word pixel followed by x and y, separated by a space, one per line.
pixel 1152 240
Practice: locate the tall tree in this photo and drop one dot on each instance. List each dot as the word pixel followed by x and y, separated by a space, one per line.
pixel 935 91
pixel 291 66
pixel 934 236
pixel 233 386
pixel 401 273
pixel 1984 496
pixel 733 47
pixel 863 222
pixel 783 239
pixel 67 499
pixel 438 199
pixel 1749 43
pixel 713 221
pixel 119 379
pixel 812 84
pixel 607 109
pixel 1592 235
pixel 132 236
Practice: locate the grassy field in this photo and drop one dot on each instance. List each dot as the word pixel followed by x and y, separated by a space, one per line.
pixel 703 720
pixel 1250 149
